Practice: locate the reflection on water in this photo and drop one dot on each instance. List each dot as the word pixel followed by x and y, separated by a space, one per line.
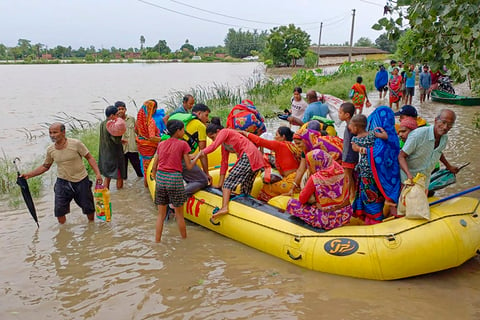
pixel 101 270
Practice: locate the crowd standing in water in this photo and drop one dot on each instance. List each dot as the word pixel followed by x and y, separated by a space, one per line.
pixel 358 176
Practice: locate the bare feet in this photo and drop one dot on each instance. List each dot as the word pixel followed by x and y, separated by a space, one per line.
pixel 220 212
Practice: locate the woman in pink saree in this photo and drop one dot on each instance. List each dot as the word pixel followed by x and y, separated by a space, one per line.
pixel 324 201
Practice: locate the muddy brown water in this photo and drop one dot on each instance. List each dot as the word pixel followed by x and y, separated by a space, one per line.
pixel 114 270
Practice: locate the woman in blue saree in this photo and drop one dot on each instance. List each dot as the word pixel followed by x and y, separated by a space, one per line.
pixel 378 170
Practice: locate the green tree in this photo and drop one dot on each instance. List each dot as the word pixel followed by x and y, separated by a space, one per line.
pixel 442 32
pixel 162 48
pixel 294 54
pixel 25 47
pixel 364 42
pixel 240 44
pixel 38 48
pixel 3 51
pixel 284 38
pixel 311 59
pixel 386 44
pixel 187 46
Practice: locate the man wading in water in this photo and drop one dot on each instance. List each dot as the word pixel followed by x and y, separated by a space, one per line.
pixel 72 177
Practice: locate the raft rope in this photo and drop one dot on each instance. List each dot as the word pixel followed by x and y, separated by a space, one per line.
pixel 324 235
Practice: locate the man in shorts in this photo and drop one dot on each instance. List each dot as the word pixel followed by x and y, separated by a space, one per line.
pixel 72 177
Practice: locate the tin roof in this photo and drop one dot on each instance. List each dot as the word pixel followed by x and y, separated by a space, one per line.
pixel 328 51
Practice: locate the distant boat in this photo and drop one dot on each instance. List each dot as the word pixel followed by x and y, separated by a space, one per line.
pixel 449 98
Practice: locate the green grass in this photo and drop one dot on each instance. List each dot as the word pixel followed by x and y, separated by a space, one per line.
pixel 8 178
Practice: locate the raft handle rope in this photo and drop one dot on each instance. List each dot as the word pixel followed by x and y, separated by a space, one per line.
pixel 387 236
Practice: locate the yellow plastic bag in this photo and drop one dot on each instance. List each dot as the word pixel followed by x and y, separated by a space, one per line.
pixel 103 206
pixel 413 202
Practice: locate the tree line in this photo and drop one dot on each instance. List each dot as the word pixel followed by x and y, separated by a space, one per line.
pixel 281 45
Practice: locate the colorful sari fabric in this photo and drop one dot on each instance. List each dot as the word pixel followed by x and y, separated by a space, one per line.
pixel 359 96
pixel 270 190
pixel 314 140
pixel 369 201
pixel 383 157
pixel 328 188
pixel 394 86
pixel 146 128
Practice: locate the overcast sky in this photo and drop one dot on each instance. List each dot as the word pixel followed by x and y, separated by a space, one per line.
pixel 120 23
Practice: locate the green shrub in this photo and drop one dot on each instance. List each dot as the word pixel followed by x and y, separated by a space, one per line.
pixel 8 177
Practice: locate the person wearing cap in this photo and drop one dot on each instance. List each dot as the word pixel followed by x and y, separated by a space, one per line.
pixel 424 148
pixel 111 160
pixel 410 111
pixel 130 150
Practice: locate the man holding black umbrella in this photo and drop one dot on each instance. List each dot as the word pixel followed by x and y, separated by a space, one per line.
pixel 72 177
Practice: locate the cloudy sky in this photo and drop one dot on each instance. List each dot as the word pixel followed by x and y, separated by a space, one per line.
pixel 120 23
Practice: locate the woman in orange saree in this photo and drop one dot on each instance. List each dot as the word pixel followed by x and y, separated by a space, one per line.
pixel 148 135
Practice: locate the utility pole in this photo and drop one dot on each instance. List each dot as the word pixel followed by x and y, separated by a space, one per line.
pixel 319 41
pixel 351 37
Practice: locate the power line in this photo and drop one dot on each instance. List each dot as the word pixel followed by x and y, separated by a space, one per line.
pixel 194 17
pixel 224 15
pixel 374 3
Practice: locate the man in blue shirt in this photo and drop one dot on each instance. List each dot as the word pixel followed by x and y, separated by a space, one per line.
pixel 409 84
pixel 424 83
pixel 314 108
pixel 188 102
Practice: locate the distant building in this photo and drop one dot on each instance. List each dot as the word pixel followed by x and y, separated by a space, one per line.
pixel 133 55
pixel 220 55
pixel 47 56
pixel 332 55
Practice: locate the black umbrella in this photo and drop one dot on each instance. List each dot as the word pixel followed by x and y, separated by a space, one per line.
pixel 27 196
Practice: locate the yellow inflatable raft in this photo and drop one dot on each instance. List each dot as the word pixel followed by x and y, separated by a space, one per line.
pixel 390 250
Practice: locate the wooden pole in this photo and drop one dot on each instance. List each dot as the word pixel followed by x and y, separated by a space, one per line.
pixel 319 42
pixel 351 37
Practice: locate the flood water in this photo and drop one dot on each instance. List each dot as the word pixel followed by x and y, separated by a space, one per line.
pixel 115 270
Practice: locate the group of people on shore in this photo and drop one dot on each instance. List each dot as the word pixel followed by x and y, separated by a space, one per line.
pixel 335 179
pixel 399 81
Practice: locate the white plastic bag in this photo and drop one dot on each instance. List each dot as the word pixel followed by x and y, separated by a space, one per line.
pixel 413 201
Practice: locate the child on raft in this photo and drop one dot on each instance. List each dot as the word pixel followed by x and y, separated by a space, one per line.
pixel 249 163
pixel 369 201
pixel 167 170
